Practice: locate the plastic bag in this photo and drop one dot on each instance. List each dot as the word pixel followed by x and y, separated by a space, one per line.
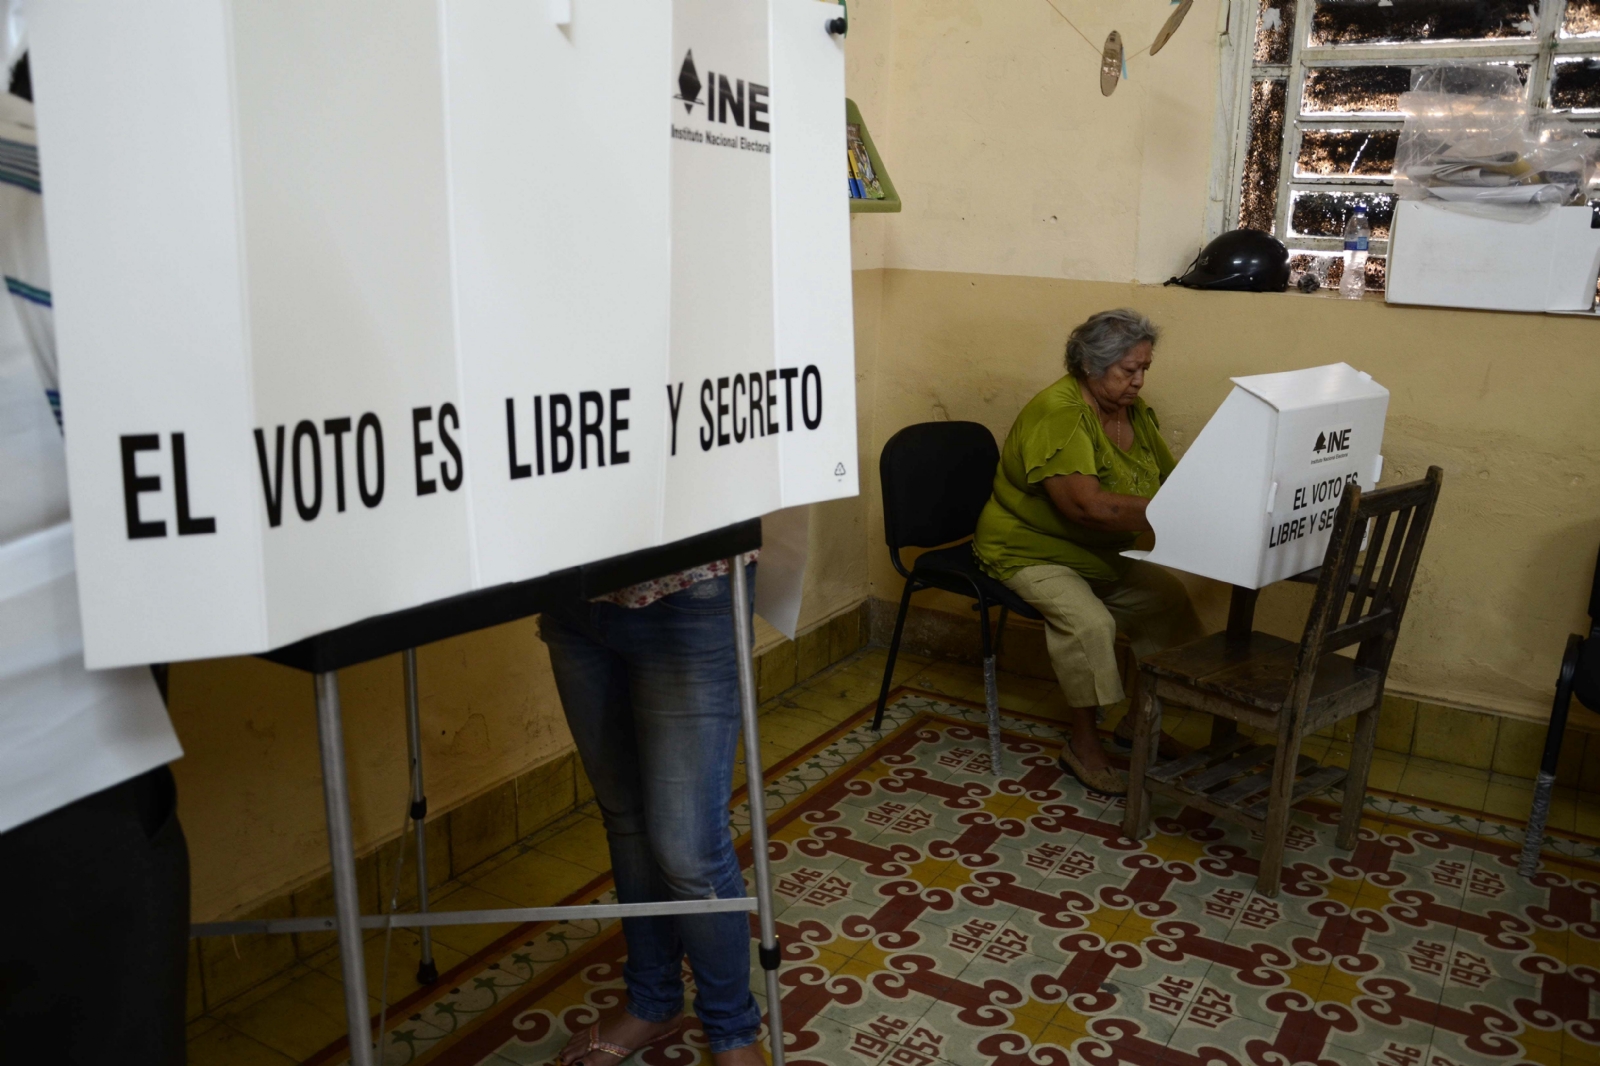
pixel 1471 138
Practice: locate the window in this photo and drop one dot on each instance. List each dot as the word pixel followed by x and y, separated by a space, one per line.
pixel 1319 113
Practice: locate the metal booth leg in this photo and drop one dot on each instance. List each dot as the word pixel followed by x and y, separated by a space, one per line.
pixel 755 787
pixel 427 972
pixel 341 852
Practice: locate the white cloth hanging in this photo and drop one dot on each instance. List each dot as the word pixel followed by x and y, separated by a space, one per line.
pixel 65 732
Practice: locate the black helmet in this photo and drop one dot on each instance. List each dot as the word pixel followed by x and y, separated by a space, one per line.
pixel 1245 260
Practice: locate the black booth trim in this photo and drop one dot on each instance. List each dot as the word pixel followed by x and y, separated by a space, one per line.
pixel 385 634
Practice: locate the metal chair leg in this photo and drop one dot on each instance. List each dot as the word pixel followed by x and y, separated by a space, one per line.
pixel 1000 630
pixel 991 689
pixel 1544 784
pixel 894 650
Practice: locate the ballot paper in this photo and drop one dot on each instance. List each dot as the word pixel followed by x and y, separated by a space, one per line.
pixel 368 304
pixel 1254 498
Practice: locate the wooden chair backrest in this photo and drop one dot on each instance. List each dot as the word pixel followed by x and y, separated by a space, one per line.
pixel 1362 594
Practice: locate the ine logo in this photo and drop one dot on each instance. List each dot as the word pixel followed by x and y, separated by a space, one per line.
pixel 688 83
pixel 744 103
pixel 1332 442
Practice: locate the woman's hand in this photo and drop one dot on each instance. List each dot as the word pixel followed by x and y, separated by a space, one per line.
pixel 1081 499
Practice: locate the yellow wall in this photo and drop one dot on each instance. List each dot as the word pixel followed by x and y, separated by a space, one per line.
pixel 1031 202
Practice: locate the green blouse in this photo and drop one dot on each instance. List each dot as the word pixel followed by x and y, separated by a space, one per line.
pixel 1058 433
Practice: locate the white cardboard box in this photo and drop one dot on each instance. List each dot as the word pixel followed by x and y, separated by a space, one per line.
pixel 1446 257
pixel 590 303
pixel 1253 499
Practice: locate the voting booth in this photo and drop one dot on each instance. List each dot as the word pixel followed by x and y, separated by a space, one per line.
pixel 386 320
pixel 1253 499
pixel 369 304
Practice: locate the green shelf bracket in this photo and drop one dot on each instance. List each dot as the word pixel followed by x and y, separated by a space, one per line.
pixel 891 197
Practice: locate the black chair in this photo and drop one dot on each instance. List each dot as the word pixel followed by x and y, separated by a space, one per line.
pixel 936 478
pixel 1580 676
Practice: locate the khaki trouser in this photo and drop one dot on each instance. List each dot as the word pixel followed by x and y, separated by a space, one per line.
pixel 1082 618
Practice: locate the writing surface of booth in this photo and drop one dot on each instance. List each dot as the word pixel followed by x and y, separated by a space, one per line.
pixel 1253 499
pixel 369 304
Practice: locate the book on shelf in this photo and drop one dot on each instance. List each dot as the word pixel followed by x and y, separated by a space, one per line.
pixel 864 184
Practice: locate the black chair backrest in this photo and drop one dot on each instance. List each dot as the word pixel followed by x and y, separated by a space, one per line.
pixel 1365 606
pixel 1594 600
pixel 936 478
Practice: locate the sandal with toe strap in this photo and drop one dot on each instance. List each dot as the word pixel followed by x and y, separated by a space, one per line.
pixel 1108 781
pixel 596 1044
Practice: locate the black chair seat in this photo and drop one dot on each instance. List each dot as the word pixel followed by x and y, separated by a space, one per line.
pixel 955 570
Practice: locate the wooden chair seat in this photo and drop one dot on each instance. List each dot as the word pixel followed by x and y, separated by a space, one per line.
pixel 1259 675
pixel 1288 689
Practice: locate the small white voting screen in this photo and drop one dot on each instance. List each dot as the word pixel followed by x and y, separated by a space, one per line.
pixel 1253 499
pixel 369 304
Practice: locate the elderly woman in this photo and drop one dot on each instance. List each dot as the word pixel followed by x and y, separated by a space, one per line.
pixel 1078 468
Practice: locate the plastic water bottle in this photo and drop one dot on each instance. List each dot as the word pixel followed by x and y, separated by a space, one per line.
pixel 1354 282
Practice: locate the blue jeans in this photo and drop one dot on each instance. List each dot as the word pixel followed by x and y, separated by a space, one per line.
pixel 652 697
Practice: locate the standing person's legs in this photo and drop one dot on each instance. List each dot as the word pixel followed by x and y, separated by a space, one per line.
pixel 593 681
pixel 652 697
pixel 1081 638
pixel 685 690
pixel 104 878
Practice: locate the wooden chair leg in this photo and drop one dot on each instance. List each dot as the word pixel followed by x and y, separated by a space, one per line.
pixel 1276 831
pixel 1146 735
pixel 1355 780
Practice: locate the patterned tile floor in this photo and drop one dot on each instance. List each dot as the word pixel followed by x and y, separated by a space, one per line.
pixel 933 913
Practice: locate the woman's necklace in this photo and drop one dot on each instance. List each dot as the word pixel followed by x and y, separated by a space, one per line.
pixel 1114 429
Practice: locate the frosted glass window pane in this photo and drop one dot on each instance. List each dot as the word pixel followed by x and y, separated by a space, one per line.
pixel 1370 22
pixel 1575 85
pixel 1347 153
pixel 1322 214
pixel 1581 19
pixel 1354 90
pixel 1328 269
pixel 1258 192
pixel 1275 31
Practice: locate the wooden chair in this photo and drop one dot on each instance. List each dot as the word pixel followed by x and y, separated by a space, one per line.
pixel 1293 690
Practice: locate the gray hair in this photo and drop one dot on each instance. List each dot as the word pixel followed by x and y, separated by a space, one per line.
pixel 1105 338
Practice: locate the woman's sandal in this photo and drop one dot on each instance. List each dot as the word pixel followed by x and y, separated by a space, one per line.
pixel 596 1044
pixel 1109 781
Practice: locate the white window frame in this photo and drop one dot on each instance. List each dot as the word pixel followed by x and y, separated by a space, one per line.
pixel 1240 71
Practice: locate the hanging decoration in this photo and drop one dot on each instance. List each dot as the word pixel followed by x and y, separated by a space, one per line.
pixel 1112 66
pixel 1113 58
pixel 1173 22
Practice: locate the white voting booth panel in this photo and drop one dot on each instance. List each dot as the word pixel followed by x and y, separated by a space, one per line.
pixel 1253 499
pixel 363 305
